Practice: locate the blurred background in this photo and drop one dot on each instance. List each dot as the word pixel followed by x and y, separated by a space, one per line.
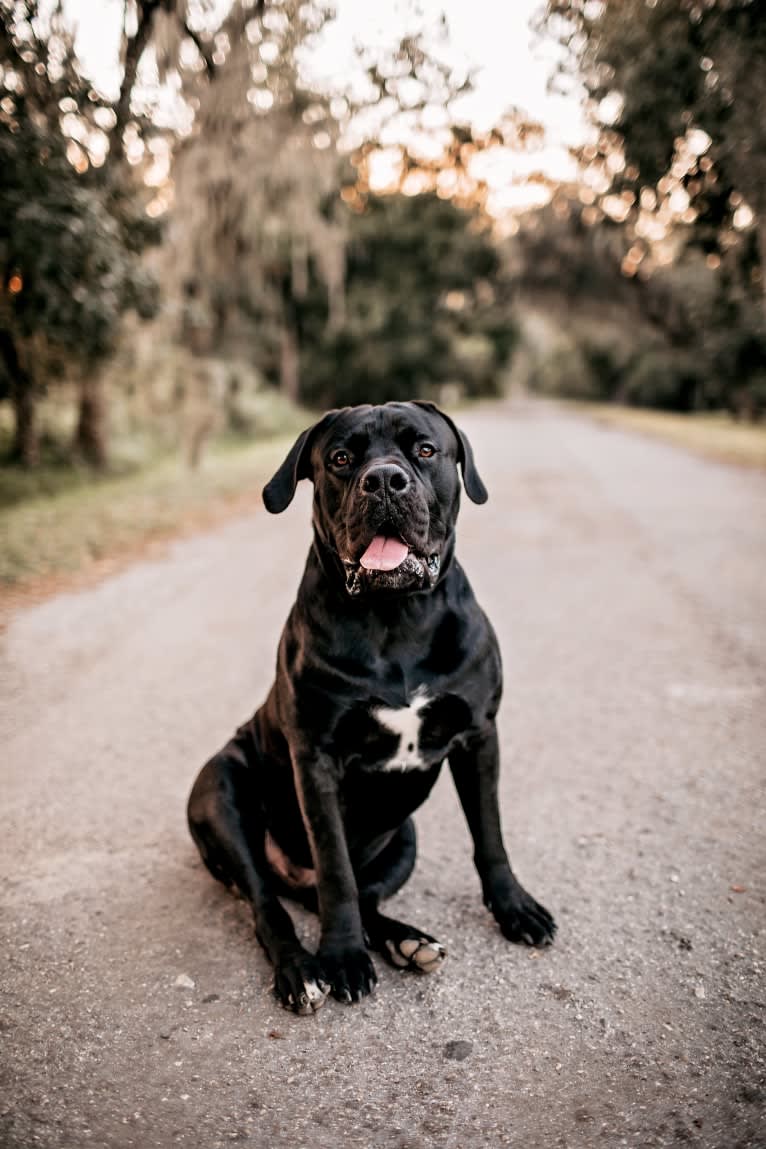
pixel 217 216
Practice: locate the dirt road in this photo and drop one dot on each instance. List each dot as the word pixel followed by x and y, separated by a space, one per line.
pixel 626 581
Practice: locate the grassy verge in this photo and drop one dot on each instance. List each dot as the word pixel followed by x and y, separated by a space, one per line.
pixel 61 525
pixel 94 526
pixel 715 435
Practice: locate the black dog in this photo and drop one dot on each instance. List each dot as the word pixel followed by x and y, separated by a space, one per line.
pixel 386 667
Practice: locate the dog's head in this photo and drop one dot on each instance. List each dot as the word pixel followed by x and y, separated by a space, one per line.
pixel 386 491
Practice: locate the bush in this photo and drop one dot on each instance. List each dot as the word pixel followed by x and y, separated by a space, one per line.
pixel 667 379
pixel 560 367
pixel 615 364
pixel 475 364
pixel 425 305
pixel 608 359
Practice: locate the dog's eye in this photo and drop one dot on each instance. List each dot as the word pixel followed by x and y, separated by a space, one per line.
pixel 340 458
pixel 426 450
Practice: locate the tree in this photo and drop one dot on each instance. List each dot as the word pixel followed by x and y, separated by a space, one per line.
pixel 163 24
pixel 426 305
pixel 677 90
pixel 407 117
pixel 257 193
pixel 273 183
pixel 680 88
pixel 70 235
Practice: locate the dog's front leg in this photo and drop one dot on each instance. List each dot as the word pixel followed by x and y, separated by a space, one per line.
pixel 475 769
pixel 342 952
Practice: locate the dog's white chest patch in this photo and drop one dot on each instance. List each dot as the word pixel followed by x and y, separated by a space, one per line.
pixel 405 722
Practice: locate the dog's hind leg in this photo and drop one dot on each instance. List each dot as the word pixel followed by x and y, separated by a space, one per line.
pixel 227 826
pixel 404 946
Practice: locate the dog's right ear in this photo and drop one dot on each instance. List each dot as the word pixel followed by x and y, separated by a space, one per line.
pixel 278 492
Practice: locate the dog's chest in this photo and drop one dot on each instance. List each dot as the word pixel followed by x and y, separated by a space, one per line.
pixel 407 725
pixel 414 736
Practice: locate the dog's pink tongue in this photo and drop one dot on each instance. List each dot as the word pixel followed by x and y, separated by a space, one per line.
pixel 384 554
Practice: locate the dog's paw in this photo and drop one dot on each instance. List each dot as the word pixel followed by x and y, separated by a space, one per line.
pixel 522 919
pixel 417 952
pixel 350 973
pixel 300 984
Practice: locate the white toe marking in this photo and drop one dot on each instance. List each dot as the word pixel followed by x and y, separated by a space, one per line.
pixel 310 1000
pixel 405 722
pixel 313 992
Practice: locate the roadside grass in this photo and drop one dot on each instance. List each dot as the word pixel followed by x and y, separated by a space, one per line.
pixel 52 478
pixel 714 435
pixel 62 524
pixel 91 522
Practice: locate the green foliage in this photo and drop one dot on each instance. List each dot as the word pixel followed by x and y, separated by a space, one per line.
pixel 715 366
pixel 66 241
pixel 558 250
pixel 289 264
pixel 425 305
pixel 275 256
pixel 561 369
pixel 71 233
pixel 678 67
pixel 606 360
pixel 678 93
pixel 240 243
pixel 664 378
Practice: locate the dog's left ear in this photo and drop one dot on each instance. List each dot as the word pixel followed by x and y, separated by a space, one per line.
pixel 278 492
pixel 474 487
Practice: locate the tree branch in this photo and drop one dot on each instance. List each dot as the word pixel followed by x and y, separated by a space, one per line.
pixel 202 48
pixel 134 50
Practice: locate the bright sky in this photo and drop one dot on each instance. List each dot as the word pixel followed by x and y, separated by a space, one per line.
pixel 492 39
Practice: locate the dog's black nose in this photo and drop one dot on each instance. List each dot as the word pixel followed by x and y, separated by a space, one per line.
pixel 385 478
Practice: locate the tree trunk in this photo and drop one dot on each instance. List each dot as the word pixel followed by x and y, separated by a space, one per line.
pixel 90 435
pixel 26 447
pixel 134 50
pixel 761 234
pixel 289 380
pixel 336 305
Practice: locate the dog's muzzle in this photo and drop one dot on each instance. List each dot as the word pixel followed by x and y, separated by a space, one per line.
pixel 414 572
pixel 388 534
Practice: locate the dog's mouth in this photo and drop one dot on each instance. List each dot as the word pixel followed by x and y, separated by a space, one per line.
pixel 389 562
pixel 384 553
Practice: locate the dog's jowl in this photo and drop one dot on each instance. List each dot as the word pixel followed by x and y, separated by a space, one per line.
pixel 387 667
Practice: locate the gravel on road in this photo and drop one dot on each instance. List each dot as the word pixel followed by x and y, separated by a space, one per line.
pixel 626 581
